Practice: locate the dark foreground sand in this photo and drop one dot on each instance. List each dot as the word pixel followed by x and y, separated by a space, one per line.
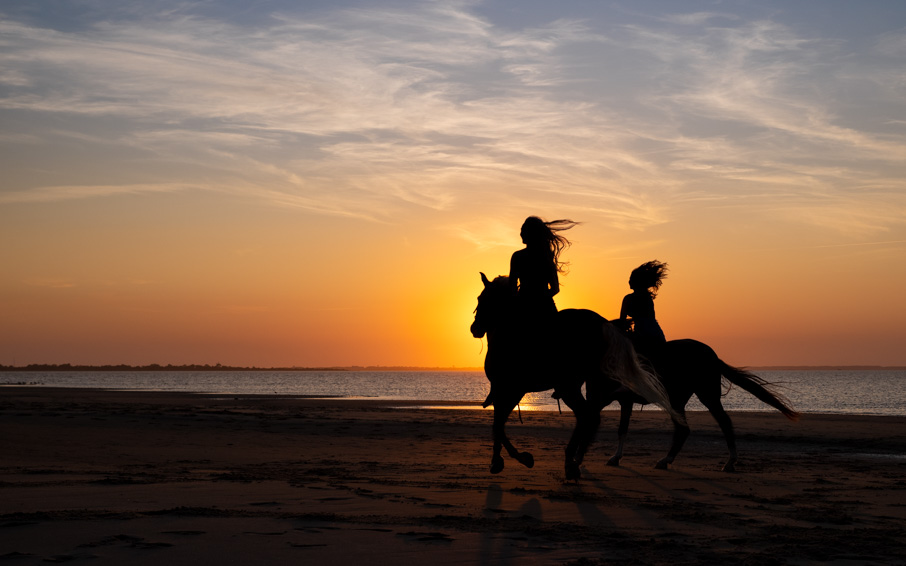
pixel 155 478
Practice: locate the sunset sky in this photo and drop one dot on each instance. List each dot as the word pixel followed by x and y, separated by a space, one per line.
pixel 318 183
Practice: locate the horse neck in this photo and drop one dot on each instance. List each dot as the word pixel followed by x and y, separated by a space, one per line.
pixel 506 329
pixel 510 334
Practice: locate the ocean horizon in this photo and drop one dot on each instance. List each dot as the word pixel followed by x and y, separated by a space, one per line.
pixel 848 390
pixel 221 367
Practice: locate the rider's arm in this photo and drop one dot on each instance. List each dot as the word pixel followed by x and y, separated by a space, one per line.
pixel 626 307
pixel 554 283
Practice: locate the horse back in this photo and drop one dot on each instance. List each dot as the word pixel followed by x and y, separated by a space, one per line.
pixel 688 366
pixel 578 329
pixel 579 317
pixel 688 349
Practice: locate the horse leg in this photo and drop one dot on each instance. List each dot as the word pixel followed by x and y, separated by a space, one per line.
pixel 680 434
pixel 582 433
pixel 592 421
pixel 726 426
pixel 496 459
pixel 501 414
pixel 524 458
pixel 622 432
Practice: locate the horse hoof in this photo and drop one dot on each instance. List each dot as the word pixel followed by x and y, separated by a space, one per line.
pixel 526 459
pixel 572 471
pixel 496 465
pixel 614 462
pixel 662 465
pixel 729 467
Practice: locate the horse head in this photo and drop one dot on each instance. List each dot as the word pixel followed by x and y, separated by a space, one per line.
pixel 493 305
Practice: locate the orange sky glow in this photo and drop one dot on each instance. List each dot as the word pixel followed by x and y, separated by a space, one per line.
pixel 321 186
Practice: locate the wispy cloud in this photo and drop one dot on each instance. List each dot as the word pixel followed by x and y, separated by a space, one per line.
pixel 765 110
pixel 394 98
pixel 697 18
pixel 51 283
pixel 364 112
pixel 73 192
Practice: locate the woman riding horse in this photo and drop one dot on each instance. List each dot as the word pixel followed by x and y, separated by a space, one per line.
pixel 638 308
pixel 535 269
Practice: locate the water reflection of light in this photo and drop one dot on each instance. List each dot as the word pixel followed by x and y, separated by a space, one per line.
pixel 443 407
pixel 523 407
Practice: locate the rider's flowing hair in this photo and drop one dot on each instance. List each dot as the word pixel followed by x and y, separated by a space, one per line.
pixel 650 275
pixel 541 234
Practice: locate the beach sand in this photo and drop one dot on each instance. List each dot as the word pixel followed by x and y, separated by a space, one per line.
pixel 172 478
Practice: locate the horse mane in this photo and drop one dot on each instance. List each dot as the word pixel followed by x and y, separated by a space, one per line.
pixel 501 281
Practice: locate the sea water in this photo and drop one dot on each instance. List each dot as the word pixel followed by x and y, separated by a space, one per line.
pixel 869 392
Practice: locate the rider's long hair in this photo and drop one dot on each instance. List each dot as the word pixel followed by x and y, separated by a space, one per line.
pixel 650 275
pixel 541 234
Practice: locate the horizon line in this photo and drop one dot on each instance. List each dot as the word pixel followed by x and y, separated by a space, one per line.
pixel 221 367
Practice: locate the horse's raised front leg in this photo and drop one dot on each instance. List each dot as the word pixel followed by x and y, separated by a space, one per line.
pixel 502 413
pixel 680 434
pixel 622 432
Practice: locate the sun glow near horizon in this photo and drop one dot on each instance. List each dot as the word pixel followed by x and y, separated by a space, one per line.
pixel 321 185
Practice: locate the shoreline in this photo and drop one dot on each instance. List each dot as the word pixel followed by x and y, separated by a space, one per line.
pixel 173 477
pixel 408 403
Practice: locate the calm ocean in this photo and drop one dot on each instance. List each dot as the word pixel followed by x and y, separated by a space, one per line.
pixel 869 392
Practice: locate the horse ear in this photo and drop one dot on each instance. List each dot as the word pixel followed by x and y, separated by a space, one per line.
pixel 484 279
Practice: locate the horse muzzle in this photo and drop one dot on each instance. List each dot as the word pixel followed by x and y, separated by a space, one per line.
pixel 477 331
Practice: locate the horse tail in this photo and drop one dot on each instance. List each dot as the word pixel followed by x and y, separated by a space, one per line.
pixel 760 388
pixel 621 364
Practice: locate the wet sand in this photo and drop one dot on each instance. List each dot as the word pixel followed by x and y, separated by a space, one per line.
pixel 172 478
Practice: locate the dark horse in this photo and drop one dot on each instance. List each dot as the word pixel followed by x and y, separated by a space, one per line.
pixel 686 368
pixel 576 347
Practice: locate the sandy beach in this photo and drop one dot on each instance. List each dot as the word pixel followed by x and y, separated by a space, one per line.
pixel 173 478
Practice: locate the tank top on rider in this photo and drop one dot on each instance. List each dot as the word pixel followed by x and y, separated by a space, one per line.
pixel 535 270
pixel 644 322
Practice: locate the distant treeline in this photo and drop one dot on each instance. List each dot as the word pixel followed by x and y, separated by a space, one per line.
pixel 154 367
pixel 215 367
